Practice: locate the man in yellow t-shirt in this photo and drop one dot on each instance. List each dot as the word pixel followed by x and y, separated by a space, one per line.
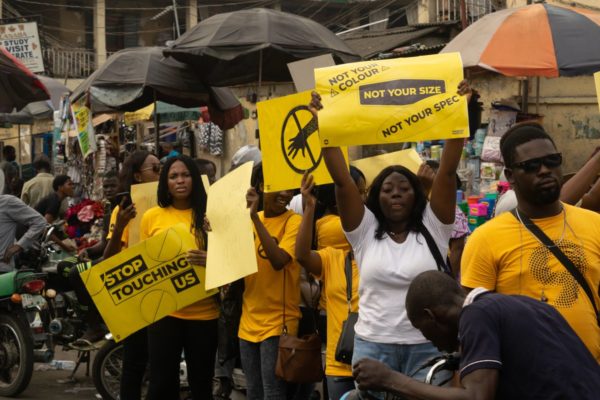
pixel 503 255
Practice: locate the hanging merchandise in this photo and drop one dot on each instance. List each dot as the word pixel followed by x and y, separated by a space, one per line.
pixel 210 138
pixel 82 117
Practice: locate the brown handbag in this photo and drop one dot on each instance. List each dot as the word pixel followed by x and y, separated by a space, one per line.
pixel 299 358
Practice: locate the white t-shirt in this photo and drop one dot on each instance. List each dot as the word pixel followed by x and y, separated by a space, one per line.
pixel 386 270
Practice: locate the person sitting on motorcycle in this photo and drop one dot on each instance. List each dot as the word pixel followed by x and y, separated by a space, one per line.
pixel 512 347
pixel 13 212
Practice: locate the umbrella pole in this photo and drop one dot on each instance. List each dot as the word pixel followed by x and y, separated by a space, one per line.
pixel 156 127
pixel 537 94
pixel 260 62
pixel 525 96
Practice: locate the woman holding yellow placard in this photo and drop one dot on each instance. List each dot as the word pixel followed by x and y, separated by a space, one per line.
pixel 270 291
pixel 395 236
pixel 193 329
pixel 139 167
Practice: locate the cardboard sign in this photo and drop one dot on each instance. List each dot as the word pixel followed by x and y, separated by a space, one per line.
pixel 144 197
pixel 146 282
pixel 289 141
pixel 388 101
pixel 597 79
pixel 372 166
pixel 303 73
pixel 231 254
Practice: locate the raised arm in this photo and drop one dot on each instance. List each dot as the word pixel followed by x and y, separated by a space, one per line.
pixel 349 200
pixel 278 257
pixel 123 216
pixel 576 187
pixel 443 191
pixel 591 200
pixel 308 258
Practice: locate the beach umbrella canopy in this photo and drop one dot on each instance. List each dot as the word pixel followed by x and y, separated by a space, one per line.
pixel 534 40
pixel 18 85
pixel 255 45
pixel 136 77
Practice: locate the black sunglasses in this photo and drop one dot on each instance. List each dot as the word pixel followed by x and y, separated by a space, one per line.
pixel 534 164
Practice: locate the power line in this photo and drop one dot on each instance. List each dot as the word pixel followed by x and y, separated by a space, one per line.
pixel 134 8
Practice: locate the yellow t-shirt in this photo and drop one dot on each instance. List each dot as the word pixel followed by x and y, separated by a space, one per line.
pixel 330 234
pixel 156 220
pixel 502 255
pixel 113 221
pixel 262 308
pixel 333 264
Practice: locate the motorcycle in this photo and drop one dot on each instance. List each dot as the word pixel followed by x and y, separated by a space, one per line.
pixel 22 334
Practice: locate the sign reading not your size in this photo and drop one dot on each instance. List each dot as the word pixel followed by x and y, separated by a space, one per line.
pixel 146 282
pixel 387 101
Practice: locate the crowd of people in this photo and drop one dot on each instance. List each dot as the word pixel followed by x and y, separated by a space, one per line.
pixel 524 317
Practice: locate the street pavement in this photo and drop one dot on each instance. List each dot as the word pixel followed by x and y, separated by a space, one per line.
pixel 52 384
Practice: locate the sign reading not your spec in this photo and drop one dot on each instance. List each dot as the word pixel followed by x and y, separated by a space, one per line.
pixel 387 101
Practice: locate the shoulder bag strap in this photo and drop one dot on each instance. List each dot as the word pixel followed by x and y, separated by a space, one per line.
pixel 284 331
pixel 435 251
pixel 564 260
pixel 348 273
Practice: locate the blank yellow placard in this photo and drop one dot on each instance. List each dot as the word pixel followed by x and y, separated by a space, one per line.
pixel 597 79
pixel 143 195
pixel 387 101
pixel 146 282
pixel 372 166
pixel 290 143
pixel 231 254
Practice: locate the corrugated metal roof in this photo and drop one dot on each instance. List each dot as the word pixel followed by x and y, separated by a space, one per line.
pixel 371 43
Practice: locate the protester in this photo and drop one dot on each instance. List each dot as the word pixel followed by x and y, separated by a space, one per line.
pixel 577 189
pixel 208 168
pixel 49 206
pixel 193 329
pixel 387 236
pixel 512 347
pixel 264 299
pixel 13 213
pixel 505 256
pixel 39 186
pixel 328 264
pixel 140 167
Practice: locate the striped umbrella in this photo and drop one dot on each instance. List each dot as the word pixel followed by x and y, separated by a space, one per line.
pixel 534 40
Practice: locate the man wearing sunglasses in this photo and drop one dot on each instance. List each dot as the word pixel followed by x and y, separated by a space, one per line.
pixel 506 256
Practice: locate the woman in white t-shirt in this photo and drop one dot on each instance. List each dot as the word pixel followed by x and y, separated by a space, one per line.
pixel 390 249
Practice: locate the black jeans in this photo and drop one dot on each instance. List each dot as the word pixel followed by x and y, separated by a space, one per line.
pixel 135 359
pixel 166 339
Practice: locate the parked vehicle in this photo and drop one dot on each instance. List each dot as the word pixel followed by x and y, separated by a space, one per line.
pixel 22 335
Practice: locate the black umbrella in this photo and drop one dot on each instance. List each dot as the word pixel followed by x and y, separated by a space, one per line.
pixel 136 77
pixel 18 85
pixel 255 45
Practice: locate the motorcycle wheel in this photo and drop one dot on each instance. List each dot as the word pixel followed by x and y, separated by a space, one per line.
pixel 16 355
pixel 106 370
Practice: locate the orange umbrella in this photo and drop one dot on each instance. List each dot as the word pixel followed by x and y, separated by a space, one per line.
pixel 534 40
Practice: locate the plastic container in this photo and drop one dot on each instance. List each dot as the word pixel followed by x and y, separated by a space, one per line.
pixel 67 365
pixel 473 200
pixel 464 207
pixel 478 210
pixel 460 196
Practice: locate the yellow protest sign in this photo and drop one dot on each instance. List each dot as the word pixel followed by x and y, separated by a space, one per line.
pixel 146 282
pixel 143 196
pixel 597 79
pixel 289 142
pixel 231 254
pixel 396 100
pixel 372 166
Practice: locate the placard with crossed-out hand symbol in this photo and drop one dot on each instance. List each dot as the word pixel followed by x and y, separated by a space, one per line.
pixel 300 140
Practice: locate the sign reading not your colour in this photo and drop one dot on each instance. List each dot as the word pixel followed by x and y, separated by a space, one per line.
pixel 388 101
